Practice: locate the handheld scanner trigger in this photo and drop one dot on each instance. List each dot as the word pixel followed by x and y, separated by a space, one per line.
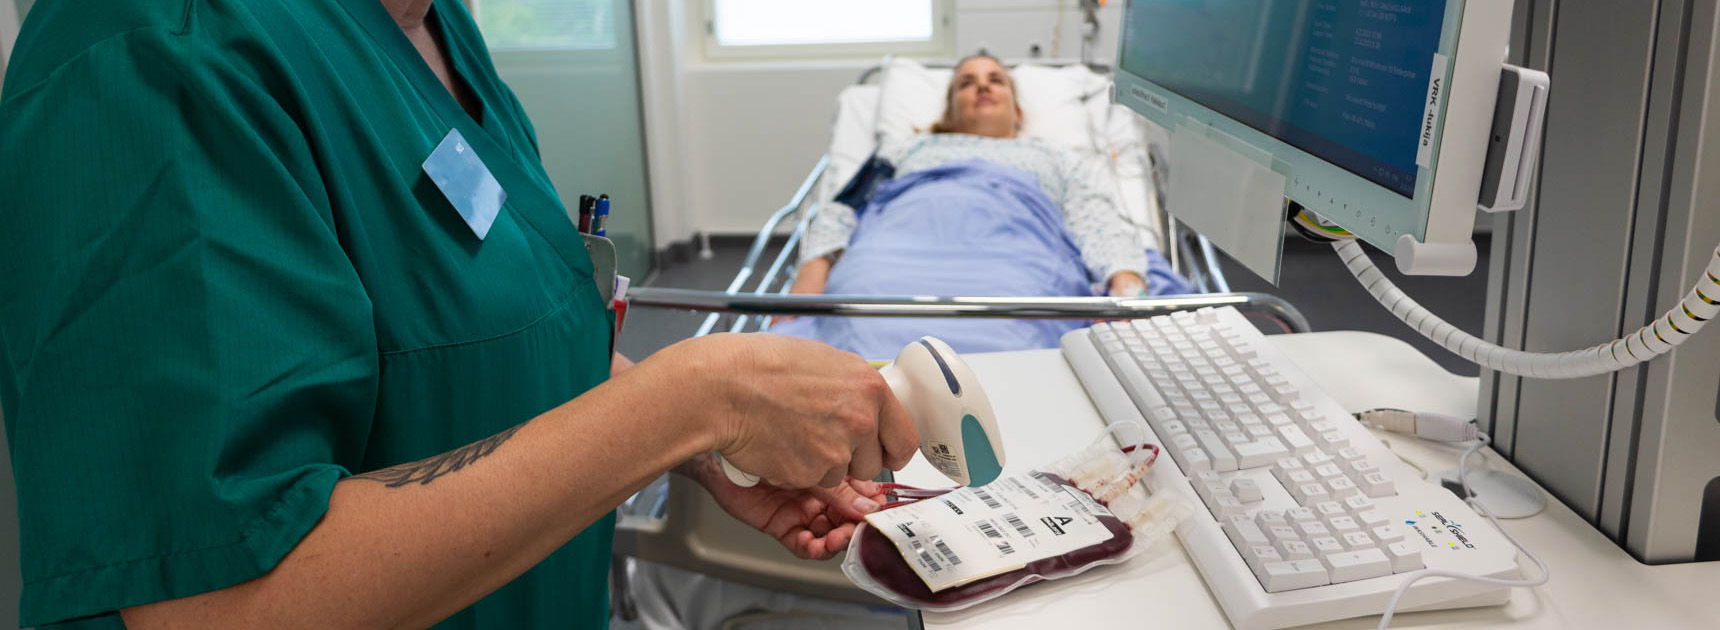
pixel 958 430
pixel 736 476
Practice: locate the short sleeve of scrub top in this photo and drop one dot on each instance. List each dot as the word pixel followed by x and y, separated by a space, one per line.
pixel 228 284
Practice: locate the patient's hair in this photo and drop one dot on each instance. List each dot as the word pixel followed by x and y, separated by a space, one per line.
pixel 946 124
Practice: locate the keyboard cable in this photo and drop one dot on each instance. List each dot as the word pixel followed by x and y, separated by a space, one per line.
pixel 1441 428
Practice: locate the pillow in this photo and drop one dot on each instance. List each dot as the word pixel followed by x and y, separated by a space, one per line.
pixel 912 98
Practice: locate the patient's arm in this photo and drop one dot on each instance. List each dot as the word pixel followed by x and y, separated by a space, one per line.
pixel 812 277
pixel 1109 244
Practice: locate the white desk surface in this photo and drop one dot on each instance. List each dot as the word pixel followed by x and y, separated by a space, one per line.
pixel 1044 414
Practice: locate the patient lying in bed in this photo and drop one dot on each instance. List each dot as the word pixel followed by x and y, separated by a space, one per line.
pixel 974 210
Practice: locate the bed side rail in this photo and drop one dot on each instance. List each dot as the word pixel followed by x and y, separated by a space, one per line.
pixel 716 302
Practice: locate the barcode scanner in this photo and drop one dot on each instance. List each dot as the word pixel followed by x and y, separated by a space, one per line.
pixel 958 430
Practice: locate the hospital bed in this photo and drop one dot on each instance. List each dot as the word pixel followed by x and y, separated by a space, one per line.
pixel 1066 105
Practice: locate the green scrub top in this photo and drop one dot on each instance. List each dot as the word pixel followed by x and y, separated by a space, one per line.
pixel 226 283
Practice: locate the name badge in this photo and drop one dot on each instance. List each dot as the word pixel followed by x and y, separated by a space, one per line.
pixel 466 182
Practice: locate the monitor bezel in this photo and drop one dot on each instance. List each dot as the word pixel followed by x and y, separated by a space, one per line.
pixel 1443 209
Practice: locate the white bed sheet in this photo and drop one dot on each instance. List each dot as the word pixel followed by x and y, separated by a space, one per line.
pixel 1068 107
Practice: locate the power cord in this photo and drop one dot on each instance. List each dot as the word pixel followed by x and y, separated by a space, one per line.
pixel 1444 428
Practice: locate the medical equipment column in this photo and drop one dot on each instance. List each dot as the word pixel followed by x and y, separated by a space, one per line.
pixel 1621 225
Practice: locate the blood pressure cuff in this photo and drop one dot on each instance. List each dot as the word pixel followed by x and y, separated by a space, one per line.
pixel 864 185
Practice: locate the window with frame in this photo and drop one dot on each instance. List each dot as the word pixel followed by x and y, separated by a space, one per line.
pixel 547 24
pixel 782 28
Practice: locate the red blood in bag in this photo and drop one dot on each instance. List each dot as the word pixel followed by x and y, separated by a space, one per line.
pixel 886 565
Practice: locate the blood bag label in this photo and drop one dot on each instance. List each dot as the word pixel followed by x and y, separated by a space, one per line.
pixel 972 533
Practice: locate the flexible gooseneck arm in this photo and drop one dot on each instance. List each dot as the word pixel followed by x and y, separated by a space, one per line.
pixel 1648 342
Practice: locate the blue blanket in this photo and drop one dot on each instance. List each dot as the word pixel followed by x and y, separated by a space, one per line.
pixel 964 228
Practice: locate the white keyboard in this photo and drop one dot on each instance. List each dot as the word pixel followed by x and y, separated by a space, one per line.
pixel 1309 518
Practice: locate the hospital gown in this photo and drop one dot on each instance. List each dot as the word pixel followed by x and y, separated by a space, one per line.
pixel 1107 242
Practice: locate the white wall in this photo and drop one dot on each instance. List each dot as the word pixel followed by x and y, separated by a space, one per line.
pixel 730 140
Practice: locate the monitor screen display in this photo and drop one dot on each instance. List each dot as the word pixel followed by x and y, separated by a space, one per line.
pixel 1344 80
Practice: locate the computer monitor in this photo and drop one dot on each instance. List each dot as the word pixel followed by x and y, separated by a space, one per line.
pixel 1375 112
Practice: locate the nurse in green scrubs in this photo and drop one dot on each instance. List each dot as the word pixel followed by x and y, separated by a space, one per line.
pixel 258 371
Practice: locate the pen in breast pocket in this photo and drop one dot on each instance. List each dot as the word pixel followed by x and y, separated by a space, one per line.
pixel 600 221
pixel 587 205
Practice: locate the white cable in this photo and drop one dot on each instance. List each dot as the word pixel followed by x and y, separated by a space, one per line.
pixel 1698 306
pixel 1468 497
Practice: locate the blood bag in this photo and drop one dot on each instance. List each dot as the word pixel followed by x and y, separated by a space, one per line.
pixel 948 550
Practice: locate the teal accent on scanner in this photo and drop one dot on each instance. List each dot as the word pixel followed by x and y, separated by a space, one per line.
pixel 976 448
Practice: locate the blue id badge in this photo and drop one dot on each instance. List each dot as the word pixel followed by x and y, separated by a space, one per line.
pixel 466 182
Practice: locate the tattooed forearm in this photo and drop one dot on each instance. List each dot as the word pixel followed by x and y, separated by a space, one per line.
pixel 424 471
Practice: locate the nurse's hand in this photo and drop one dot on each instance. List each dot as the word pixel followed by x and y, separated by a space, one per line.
pixel 814 523
pixel 797 413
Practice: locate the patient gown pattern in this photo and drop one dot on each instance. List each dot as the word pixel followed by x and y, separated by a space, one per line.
pixel 964 228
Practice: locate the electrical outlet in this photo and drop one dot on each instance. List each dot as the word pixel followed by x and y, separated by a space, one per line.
pixel 1034 50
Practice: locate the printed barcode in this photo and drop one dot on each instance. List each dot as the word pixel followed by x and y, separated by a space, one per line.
pixel 989 531
pixel 949 554
pixel 1024 489
pixel 987 498
pixel 927 558
pixel 1020 527
pixel 1005 548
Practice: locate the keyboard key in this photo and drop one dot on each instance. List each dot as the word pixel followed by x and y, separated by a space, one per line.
pixel 1299 514
pixel 1210 491
pixel 1172 428
pixel 1206 476
pixel 1280 421
pixel 1259 453
pixel 1321 426
pixel 1233 439
pixel 1341 525
pixel 1298 478
pixel 1193 460
pixel 1227 506
pixel 1258 430
pixel 1215 448
pixel 1279 533
pixel 1328 472
pixel 1268 518
pixel 1325 510
pixel 1309 530
pixel 1357 541
pixel 1376 485
pixel 1357 504
pixel 1259 555
pixel 1359 469
pixel 1342 488
pixel 1315 459
pixel 1295 550
pixel 1350 566
pixel 1184 442
pixel 1246 490
pixel 1372 518
pixel 1388 534
pixel 1332 441
pixel 1294 438
pixel 1347 455
pixel 1243 532
pixel 1302 405
pixel 1278 577
pixel 1404 557
pixel 1281 468
pixel 1310 493
pixel 1324 546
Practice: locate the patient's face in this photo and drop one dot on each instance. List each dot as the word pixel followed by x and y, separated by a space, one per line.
pixel 982 99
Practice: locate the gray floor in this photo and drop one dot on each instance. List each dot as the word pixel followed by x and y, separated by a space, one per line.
pixel 1312 279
